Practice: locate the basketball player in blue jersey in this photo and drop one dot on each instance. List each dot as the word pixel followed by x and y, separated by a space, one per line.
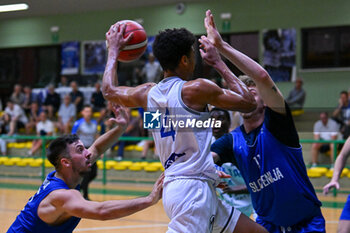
pixel 267 150
pixel 344 221
pixel 58 206
pixel 189 196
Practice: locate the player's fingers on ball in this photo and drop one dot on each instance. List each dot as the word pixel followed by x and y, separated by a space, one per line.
pixel 129 38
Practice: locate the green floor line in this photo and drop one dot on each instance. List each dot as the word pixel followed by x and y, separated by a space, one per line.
pixel 333 204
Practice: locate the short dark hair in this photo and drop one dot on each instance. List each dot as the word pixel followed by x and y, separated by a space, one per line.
pixel 58 149
pixel 226 113
pixel 344 93
pixel 170 45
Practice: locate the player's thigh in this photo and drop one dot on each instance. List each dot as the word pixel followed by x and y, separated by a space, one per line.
pixel 246 225
pixel 190 205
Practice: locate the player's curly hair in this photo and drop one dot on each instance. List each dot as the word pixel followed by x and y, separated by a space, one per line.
pixel 170 45
pixel 58 149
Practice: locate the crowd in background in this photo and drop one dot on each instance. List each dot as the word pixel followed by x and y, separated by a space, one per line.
pixel 50 113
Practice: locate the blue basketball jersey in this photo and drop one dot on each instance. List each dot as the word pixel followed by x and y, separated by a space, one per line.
pixel 28 220
pixel 276 177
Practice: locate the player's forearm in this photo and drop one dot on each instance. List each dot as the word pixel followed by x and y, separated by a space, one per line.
pixel 106 141
pixel 233 82
pixel 121 208
pixel 110 79
pixel 341 160
pixel 247 65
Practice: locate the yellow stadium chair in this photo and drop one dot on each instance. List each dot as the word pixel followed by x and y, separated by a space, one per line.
pixel 9 162
pixel 29 145
pixel 135 167
pixel 21 145
pixel 1 113
pixel 99 164
pixel 119 167
pixel 144 164
pixel 348 174
pixel 297 112
pixel 110 164
pixel 21 163
pixel 129 148
pixel 126 163
pixel 135 113
pixel 313 173
pixel 11 145
pixel 47 163
pixel 156 164
pixel 322 170
pixel 27 161
pixel 99 128
pixel 96 115
pixel 345 171
pixel 151 169
pixel 3 159
pixel 36 163
pixel 138 148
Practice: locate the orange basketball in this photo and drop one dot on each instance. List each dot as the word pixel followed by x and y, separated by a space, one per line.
pixel 138 44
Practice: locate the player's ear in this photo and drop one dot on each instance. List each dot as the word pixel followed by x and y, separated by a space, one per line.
pixel 65 162
pixel 184 60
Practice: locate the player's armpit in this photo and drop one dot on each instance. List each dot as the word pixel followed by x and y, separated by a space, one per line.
pixel 198 93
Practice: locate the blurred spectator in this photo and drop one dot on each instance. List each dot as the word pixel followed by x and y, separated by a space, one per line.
pixel 296 97
pixel 324 129
pixel 17 96
pixel 133 130
pixel 44 127
pixel 152 70
pixel 66 115
pixel 77 96
pixel 16 117
pixel 29 97
pixel 86 129
pixel 97 100
pixel 3 131
pixel 342 114
pixel 147 144
pixel 63 82
pixel 52 101
pixel 33 117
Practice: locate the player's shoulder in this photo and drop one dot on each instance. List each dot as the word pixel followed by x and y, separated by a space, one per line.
pixel 62 195
pixel 200 85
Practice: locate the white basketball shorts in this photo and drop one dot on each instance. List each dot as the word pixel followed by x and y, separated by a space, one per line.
pixel 193 207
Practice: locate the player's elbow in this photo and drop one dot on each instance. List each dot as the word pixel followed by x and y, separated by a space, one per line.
pixel 107 92
pixel 262 75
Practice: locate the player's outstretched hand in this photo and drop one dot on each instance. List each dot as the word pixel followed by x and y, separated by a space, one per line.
pixel 212 32
pixel 115 37
pixel 329 186
pixel 121 115
pixel 157 191
pixel 208 52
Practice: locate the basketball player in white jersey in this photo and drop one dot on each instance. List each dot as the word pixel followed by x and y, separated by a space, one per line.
pixel 189 187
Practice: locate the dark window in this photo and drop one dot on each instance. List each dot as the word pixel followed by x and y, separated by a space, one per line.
pixel 326 47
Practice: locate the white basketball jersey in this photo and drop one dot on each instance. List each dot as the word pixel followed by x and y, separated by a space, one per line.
pixel 183 151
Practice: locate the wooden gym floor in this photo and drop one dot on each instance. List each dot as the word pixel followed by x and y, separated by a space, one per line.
pixel 13 197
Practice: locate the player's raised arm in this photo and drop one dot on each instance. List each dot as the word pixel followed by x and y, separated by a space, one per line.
pixel 268 91
pixel 338 167
pixel 203 91
pixel 106 140
pixel 72 203
pixel 122 95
